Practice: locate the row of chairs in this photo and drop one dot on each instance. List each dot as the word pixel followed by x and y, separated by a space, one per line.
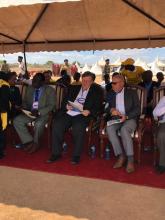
pixel 99 124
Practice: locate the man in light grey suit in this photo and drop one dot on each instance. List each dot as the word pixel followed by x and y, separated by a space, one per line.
pixel 39 100
pixel 124 105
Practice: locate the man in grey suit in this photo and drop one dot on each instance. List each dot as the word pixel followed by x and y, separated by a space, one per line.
pixel 39 100
pixel 124 105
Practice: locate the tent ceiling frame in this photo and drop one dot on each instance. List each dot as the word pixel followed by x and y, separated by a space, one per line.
pixel 42 12
pixel 11 38
pixel 87 41
pixel 144 13
pixel 36 21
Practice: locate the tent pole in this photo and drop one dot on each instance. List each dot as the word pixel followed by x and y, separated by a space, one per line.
pixel 24 54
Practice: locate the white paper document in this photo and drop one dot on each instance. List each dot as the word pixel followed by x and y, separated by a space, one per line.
pixel 112 122
pixel 76 105
pixel 28 113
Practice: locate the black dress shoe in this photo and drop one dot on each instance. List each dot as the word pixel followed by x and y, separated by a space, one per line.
pixel 53 158
pixel 160 169
pixel 75 160
pixel 2 155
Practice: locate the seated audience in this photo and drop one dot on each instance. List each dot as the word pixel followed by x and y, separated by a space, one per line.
pixel 87 96
pixel 149 84
pixel 76 78
pixel 15 95
pixel 123 104
pixel 160 78
pixel 131 72
pixel 4 109
pixel 159 112
pixel 39 100
pixel 48 77
pixel 65 79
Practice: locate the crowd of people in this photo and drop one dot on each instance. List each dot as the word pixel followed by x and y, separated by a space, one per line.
pixel 83 100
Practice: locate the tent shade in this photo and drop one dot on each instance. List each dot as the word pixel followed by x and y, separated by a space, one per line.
pixel 83 25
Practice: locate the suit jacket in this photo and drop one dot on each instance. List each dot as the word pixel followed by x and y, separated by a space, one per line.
pixel 131 102
pixel 46 100
pixel 93 100
pixel 150 92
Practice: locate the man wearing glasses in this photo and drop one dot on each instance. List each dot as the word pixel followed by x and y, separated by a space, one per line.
pixel 82 103
pixel 124 105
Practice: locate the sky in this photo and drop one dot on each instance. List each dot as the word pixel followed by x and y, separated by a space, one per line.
pixel 89 57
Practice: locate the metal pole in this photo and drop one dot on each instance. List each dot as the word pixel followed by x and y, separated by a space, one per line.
pixel 24 54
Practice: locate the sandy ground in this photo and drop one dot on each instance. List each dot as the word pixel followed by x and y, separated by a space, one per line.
pixel 34 195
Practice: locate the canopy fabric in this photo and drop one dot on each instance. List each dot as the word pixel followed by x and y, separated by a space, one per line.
pixel 83 25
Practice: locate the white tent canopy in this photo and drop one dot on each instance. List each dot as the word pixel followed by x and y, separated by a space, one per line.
pixel 82 25
pixel 141 63
pixel 85 68
pixel 155 69
pixel 117 62
pixel 96 69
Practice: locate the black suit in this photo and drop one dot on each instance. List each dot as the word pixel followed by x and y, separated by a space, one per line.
pixel 63 121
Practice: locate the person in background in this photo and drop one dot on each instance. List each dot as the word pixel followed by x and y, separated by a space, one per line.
pixel 66 66
pixel 4 109
pixel 159 112
pixel 48 77
pixel 21 67
pixel 149 84
pixel 160 78
pixel 106 69
pixel 15 95
pixel 5 67
pixel 124 104
pixel 76 78
pixel 131 72
pixel 39 100
pixel 65 79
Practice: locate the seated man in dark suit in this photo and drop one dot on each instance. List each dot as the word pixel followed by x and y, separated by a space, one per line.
pixel 39 100
pixel 88 97
pixel 123 104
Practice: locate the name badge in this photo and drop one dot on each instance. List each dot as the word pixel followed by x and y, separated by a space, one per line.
pixel 35 105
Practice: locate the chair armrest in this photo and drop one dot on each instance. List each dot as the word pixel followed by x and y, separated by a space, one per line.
pixel 50 119
pixel 102 125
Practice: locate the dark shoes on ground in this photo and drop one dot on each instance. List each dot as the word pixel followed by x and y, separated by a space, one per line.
pixel 75 160
pixel 53 158
pixel 160 169
pixel 2 155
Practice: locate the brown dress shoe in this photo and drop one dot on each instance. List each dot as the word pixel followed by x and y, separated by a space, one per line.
pixel 130 167
pixel 119 163
pixel 34 148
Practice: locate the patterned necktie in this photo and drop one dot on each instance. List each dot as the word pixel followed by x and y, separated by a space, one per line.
pixel 36 97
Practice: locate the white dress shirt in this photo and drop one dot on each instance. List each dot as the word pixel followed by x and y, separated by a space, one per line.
pixel 159 110
pixel 120 106
pixel 80 100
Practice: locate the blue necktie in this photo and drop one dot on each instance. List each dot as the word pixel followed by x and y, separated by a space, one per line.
pixel 36 97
